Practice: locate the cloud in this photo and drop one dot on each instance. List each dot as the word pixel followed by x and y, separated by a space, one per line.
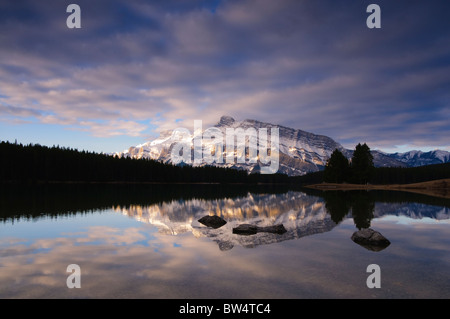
pixel 137 261
pixel 308 65
pixel 112 128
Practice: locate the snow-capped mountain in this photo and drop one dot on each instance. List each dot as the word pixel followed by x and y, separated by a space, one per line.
pixel 300 152
pixel 419 158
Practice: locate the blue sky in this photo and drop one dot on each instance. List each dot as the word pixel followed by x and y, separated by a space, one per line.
pixel 138 67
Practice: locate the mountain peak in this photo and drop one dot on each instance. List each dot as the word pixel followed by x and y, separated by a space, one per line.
pixel 226 120
pixel 300 152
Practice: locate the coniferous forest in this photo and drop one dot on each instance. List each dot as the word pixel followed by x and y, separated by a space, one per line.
pixel 35 163
pixel 361 170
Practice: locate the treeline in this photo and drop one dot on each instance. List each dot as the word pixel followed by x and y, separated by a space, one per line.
pixel 63 200
pixel 408 175
pixel 35 163
pixel 360 170
pixel 55 200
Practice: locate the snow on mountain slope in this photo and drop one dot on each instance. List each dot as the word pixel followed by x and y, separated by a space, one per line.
pixel 419 158
pixel 300 152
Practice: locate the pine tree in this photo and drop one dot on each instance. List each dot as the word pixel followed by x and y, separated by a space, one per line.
pixel 362 167
pixel 336 170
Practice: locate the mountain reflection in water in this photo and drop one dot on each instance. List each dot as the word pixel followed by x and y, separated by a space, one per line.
pixel 175 210
pixel 301 214
pixel 158 249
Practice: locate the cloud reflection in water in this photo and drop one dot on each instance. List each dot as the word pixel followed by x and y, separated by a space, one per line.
pixel 146 260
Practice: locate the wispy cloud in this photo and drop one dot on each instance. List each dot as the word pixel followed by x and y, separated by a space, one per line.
pixel 134 66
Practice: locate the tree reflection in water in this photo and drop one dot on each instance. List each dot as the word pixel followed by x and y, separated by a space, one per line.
pixel 360 204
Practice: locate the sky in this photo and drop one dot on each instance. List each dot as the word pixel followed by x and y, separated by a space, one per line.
pixel 135 68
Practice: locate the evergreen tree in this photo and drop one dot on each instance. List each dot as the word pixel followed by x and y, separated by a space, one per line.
pixel 336 170
pixel 362 167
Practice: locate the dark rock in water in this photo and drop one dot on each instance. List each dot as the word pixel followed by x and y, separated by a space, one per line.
pixel 247 229
pixel 275 229
pixel 212 221
pixel 370 239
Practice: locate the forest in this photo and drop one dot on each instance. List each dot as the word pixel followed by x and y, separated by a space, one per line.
pixel 360 169
pixel 34 163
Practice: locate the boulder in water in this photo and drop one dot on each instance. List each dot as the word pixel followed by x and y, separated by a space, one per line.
pixel 248 229
pixel 212 221
pixel 370 239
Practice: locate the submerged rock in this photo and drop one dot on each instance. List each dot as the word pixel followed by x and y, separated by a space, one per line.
pixel 225 245
pixel 370 239
pixel 248 229
pixel 212 221
pixel 245 229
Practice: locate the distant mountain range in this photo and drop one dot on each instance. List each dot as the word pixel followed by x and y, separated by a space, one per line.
pixel 300 152
pixel 419 158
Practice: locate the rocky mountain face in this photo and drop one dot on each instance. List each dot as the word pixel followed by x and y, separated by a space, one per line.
pixel 300 152
pixel 419 158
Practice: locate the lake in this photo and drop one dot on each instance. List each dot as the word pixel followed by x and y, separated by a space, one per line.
pixel 146 242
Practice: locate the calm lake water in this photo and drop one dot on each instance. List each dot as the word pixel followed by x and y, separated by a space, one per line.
pixel 146 242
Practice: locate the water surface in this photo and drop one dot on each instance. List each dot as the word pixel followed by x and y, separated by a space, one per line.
pixel 146 242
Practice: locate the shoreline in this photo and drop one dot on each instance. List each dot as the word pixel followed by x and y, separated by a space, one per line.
pixel 440 188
